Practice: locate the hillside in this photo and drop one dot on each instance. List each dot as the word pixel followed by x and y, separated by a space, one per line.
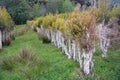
pixel 50 63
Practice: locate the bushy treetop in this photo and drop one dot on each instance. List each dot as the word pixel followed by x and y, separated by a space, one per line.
pixel 5 19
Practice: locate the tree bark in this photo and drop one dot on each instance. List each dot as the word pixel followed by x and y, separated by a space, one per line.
pixel 69 48
pixel 58 38
pixel 79 56
pixel 88 62
pixel 104 43
pixel 0 39
pixel 6 37
pixel 74 49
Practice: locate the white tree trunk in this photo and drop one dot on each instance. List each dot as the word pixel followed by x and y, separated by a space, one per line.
pixel 58 38
pixel 32 26
pixel 104 43
pixel 38 30
pixel 69 48
pixel 0 39
pixel 47 33
pixel 94 3
pixel 74 49
pixel 88 62
pixel 79 56
pixel 53 38
pixel 62 42
pixel 64 48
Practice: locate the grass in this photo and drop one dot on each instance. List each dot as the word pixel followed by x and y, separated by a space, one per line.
pixel 51 64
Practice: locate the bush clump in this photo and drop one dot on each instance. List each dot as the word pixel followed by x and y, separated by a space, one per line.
pixel 25 58
pixel 8 63
pixel 19 30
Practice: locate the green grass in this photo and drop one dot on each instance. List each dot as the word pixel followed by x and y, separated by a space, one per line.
pixel 51 63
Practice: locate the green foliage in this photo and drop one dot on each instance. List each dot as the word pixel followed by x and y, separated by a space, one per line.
pixel 52 6
pixel 21 10
pixel 48 20
pixel 44 54
pixel 115 11
pixel 103 11
pixel 38 21
pixel 59 24
pixel 5 19
pixel 59 6
pixel 67 6
pixel 35 11
pixel 79 25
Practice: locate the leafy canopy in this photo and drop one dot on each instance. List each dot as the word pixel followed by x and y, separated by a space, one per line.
pixel 5 19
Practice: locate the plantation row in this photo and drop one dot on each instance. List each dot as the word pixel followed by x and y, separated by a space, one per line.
pixel 77 34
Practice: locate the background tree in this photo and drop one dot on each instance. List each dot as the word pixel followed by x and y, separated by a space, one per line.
pixel 18 9
pixel 52 6
pixel 67 6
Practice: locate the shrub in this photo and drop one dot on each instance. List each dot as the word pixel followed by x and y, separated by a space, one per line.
pixel 8 63
pixel 39 21
pixel 114 35
pixel 43 37
pixel 79 24
pixel 67 6
pixel 5 19
pixel 48 20
pixel 19 30
pixel 52 6
pixel 59 24
pixel 27 57
pixel 115 11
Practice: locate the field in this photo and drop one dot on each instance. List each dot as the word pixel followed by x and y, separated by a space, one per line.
pixel 49 63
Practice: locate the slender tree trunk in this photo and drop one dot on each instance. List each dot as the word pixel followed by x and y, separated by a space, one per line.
pixel 32 26
pixel 94 3
pixel 48 34
pixel 56 37
pixel 53 38
pixel 62 41
pixel 79 56
pixel 104 43
pixel 38 30
pixel 74 49
pixel 69 48
pixel 6 37
pixel 88 62
pixel 64 47
pixel 59 38
pixel 0 39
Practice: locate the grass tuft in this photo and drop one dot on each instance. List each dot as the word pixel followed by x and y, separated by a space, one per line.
pixel 8 63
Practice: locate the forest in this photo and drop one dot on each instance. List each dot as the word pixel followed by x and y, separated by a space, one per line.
pixel 59 39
